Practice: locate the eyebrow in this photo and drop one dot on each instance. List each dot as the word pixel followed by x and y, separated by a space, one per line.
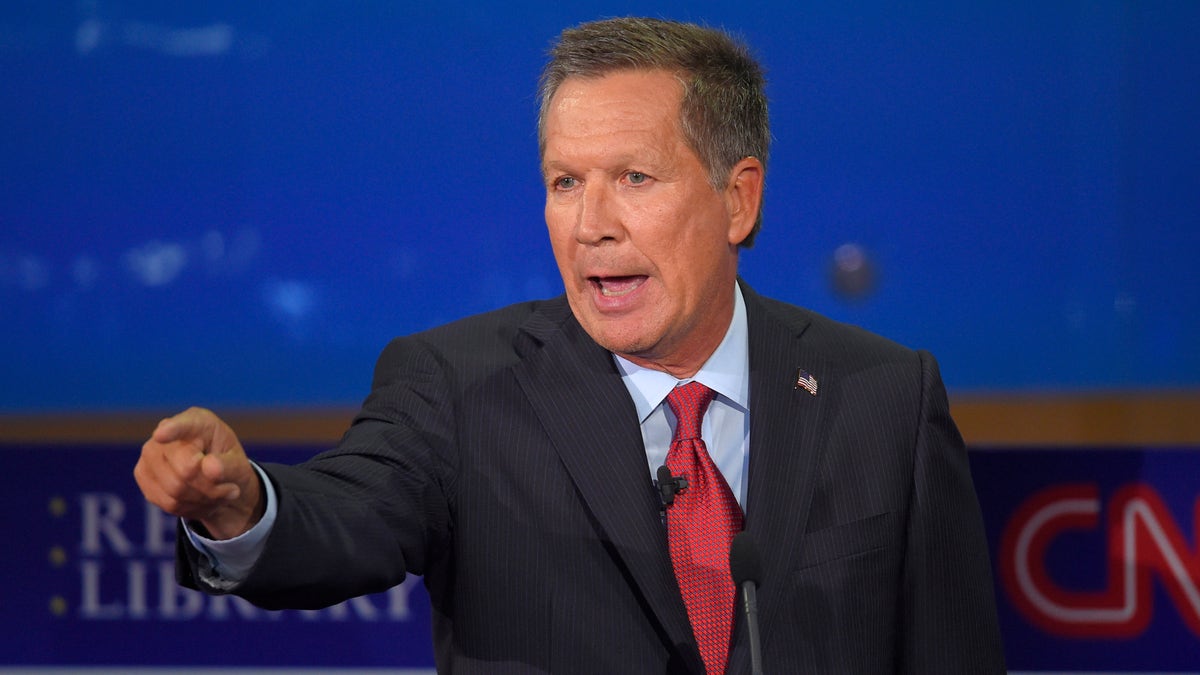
pixel 649 161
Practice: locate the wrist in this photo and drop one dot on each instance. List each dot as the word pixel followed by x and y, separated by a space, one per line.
pixel 234 519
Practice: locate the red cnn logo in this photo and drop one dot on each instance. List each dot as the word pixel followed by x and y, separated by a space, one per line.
pixel 1143 542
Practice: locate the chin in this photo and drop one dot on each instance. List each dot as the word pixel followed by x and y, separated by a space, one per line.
pixel 604 331
pixel 625 343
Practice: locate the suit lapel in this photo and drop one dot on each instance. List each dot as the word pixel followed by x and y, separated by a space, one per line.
pixel 577 393
pixel 786 442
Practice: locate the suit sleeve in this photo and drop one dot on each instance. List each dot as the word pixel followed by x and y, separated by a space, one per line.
pixel 948 615
pixel 356 519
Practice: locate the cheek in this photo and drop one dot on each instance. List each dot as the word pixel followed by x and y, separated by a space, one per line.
pixel 659 231
pixel 565 261
pixel 559 234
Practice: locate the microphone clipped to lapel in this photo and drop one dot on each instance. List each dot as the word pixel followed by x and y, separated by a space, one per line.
pixel 805 381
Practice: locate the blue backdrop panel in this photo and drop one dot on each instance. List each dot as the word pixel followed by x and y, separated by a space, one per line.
pixel 240 203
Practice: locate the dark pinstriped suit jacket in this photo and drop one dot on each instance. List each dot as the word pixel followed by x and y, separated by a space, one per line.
pixel 500 456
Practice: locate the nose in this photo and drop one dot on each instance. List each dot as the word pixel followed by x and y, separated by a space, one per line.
pixel 598 220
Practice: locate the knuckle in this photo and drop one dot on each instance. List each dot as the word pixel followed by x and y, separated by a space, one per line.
pixel 140 475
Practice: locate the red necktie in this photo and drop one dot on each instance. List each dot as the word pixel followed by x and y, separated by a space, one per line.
pixel 700 525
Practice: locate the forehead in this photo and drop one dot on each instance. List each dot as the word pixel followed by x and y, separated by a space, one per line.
pixel 626 95
pixel 621 114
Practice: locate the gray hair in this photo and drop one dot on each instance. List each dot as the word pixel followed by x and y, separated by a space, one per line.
pixel 723 114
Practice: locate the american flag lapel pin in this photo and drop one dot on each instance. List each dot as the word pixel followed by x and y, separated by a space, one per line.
pixel 806 381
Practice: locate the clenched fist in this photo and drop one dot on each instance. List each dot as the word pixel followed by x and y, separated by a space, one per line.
pixel 194 467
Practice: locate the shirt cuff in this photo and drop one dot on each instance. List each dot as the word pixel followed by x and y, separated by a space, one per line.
pixel 232 559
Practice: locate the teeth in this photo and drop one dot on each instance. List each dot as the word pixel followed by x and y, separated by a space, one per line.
pixel 615 289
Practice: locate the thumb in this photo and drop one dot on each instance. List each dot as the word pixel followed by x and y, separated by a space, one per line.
pixel 228 471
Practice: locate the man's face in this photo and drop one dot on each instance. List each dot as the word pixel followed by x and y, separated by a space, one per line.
pixel 646 247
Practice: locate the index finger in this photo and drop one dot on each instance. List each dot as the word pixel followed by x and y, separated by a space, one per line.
pixel 193 423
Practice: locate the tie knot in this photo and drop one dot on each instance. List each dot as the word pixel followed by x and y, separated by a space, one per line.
pixel 689 402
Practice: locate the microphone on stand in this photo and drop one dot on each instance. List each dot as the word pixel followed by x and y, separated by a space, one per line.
pixel 746 568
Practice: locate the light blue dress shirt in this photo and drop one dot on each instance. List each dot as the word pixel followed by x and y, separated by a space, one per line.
pixel 725 430
pixel 726 426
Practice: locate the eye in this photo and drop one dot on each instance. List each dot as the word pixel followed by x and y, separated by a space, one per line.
pixel 565 183
pixel 636 177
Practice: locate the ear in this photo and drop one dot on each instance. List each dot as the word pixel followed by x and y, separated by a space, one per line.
pixel 743 197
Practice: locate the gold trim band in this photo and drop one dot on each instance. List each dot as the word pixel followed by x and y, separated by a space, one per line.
pixel 1095 419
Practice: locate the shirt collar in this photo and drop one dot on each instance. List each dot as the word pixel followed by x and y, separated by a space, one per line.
pixel 725 372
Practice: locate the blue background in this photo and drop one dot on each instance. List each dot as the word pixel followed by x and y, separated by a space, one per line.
pixel 239 203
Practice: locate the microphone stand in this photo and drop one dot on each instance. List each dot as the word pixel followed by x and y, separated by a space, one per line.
pixel 746 568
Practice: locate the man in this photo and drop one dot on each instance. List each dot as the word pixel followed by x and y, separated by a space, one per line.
pixel 508 457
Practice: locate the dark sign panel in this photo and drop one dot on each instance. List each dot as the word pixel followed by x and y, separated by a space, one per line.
pixel 1097 557
pixel 1095 554
pixel 93 583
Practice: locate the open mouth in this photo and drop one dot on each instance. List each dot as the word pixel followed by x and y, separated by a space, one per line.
pixel 616 287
